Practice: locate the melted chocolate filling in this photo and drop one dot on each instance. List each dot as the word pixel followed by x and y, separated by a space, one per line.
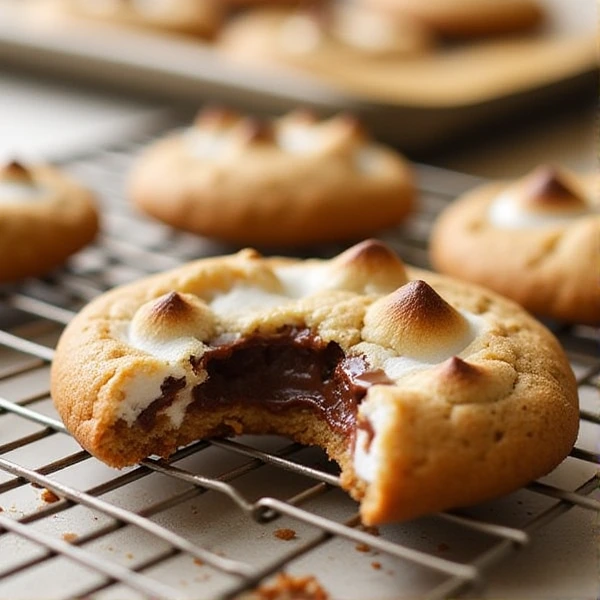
pixel 291 370
pixel 168 392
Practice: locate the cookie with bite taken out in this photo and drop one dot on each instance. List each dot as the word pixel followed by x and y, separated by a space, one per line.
pixel 45 217
pixel 535 240
pixel 428 392
pixel 291 181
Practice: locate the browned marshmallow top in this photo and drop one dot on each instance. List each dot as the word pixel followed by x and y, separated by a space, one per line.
pixel 546 196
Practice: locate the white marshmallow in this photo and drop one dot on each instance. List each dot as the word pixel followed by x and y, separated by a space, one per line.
pixel 21 192
pixel 506 212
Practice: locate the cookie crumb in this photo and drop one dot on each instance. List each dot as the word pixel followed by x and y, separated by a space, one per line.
pixel 289 587
pixel 198 562
pixel 361 547
pixel 376 565
pixel 69 537
pixel 285 534
pixel 49 496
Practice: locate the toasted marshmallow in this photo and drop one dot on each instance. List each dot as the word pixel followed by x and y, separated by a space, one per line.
pixel 173 327
pixel 17 184
pixel 544 197
pixel 419 326
pixel 250 131
pixel 299 137
pixel 243 298
pixel 213 134
pixel 370 267
pixel 216 118
pixel 300 133
pixel 300 33
pixel 374 33
pixel 209 144
pixel 251 287
pixel 463 382
pixel 220 133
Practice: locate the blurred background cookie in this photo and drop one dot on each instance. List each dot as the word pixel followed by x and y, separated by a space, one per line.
pixel 467 18
pixel 290 181
pixel 44 218
pixel 535 240
pixel 331 37
pixel 195 17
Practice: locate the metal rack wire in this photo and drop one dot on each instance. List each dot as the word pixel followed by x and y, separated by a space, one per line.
pixel 220 517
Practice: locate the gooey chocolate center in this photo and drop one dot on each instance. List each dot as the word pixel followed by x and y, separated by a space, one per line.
pixel 287 371
pixel 293 369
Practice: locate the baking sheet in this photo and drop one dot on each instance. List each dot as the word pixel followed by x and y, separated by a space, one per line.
pixel 469 89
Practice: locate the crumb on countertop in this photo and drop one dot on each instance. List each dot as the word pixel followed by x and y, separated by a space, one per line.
pixel 49 496
pixel 284 534
pixel 290 587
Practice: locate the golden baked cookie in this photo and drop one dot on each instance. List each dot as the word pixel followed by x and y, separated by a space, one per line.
pixel 44 218
pixel 253 3
pixel 325 40
pixel 194 17
pixel 467 18
pixel 288 182
pixel 535 240
pixel 428 392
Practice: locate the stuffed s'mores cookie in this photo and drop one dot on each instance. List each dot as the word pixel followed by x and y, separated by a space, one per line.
pixel 45 217
pixel 429 393
pixel 535 240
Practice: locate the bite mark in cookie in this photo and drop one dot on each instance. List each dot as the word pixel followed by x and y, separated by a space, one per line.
pixel 234 344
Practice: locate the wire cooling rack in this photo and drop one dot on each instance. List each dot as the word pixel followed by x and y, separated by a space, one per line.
pixel 220 517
